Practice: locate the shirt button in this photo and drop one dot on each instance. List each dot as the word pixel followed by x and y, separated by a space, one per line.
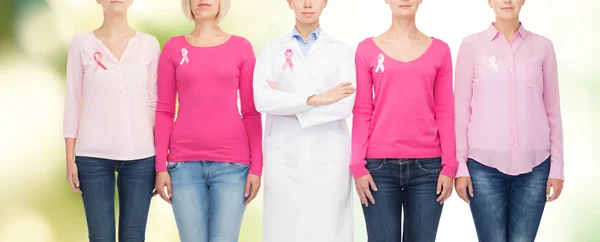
pixel 512 107
pixel 514 145
pixel 510 69
pixel 514 126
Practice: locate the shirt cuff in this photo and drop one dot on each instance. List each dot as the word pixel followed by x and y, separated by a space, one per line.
pixel 359 170
pixel 449 171
pixel 463 170
pixel 557 172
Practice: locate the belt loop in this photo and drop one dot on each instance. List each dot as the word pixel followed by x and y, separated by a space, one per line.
pixel 385 161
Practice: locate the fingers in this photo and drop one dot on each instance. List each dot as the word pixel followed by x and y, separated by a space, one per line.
pixel 370 197
pixel 74 183
pixel 439 188
pixel 254 192
pixel 162 193
pixel 548 188
pixel 471 191
pixel 344 84
pixel 247 189
pixel 361 196
pixel 271 84
pixel 372 184
pixel 556 190
pixel 169 190
pixel 462 193
pixel 447 191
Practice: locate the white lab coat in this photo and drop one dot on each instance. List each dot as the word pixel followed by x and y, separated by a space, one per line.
pixel 307 182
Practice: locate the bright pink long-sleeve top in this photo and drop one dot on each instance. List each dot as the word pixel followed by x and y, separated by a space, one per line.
pixel 507 103
pixel 403 109
pixel 209 126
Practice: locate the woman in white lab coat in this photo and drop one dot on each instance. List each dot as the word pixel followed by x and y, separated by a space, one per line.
pixel 304 83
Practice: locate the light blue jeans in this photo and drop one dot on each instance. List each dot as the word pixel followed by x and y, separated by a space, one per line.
pixel 208 199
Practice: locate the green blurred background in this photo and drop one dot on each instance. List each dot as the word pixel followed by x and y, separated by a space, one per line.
pixel 38 206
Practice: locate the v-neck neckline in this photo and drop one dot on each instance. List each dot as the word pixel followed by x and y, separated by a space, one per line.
pixel 107 50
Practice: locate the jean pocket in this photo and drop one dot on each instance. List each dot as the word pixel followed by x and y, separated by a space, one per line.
pixel 172 166
pixel 237 165
pixel 430 165
pixel 374 164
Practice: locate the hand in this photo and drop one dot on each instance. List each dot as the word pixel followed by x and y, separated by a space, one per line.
pixel 252 187
pixel 461 186
pixel 557 186
pixel 73 176
pixel 362 188
pixel 164 180
pixel 444 188
pixel 271 84
pixel 337 93
pixel 274 87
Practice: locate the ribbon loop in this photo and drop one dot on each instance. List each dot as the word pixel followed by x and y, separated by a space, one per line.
pixel 493 65
pixel 288 60
pixel 380 60
pixel 98 60
pixel 184 56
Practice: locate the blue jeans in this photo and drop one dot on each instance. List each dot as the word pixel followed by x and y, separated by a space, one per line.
pixel 408 184
pixel 208 199
pixel 97 182
pixel 507 208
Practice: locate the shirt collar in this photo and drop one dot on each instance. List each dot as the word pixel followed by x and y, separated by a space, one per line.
pixel 491 33
pixel 315 34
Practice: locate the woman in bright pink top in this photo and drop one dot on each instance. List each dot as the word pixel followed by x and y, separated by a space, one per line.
pixel 508 127
pixel 210 157
pixel 403 144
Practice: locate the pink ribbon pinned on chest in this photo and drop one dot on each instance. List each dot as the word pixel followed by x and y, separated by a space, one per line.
pixel 288 60
pixel 98 59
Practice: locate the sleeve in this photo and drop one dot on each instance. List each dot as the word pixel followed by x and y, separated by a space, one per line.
pixel 165 108
pixel 463 92
pixel 551 99
pixel 336 111
pixel 152 76
pixel 363 113
pixel 271 101
pixel 251 117
pixel 74 91
pixel 444 114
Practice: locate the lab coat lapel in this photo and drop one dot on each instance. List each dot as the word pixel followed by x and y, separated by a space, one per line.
pixel 323 41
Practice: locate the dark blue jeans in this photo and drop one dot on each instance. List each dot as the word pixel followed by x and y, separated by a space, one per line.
pixel 408 184
pixel 507 208
pixel 135 182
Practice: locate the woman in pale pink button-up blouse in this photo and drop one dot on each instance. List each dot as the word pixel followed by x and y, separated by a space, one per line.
pixel 509 139
pixel 109 121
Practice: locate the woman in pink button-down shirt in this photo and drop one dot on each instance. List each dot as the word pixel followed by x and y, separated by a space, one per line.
pixel 108 123
pixel 508 127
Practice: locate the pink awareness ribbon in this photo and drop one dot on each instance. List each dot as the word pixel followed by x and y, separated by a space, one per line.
pixel 98 59
pixel 288 60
